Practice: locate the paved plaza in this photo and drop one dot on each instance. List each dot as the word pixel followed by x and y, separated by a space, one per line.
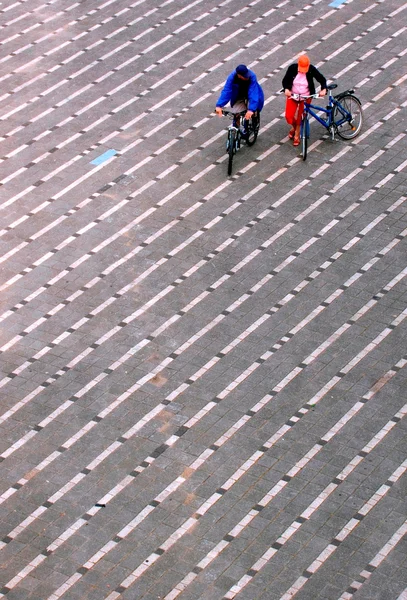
pixel 203 383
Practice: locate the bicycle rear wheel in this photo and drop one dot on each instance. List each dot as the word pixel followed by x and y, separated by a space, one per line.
pixel 304 136
pixel 253 130
pixel 348 117
pixel 231 149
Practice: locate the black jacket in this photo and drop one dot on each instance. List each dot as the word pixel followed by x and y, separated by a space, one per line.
pixel 312 74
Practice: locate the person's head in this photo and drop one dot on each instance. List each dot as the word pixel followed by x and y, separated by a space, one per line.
pixel 303 63
pixel 242 72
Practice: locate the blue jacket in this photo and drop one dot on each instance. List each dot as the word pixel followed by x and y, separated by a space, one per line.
pixel 231 90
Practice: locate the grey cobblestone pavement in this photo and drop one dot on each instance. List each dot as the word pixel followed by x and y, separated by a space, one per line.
pixel 203 378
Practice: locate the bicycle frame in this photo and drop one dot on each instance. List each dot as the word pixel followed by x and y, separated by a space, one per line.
pixel 235 127
pixel 235 117
pixel 310 109
pixel 328 121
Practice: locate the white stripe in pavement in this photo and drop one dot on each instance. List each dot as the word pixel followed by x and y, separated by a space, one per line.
pixel 57 340
pixel 11 6
pixel 344 533
pixel 127 62
pixel 305 8
pixel 189 523
pixel 80 18
pixel 63 244
pixel 205 506
pixel 58 194
pixel 64 335
pixel 316 312
pixel 202 413
pixel 13 199
pixel 376 562
pixel 20 195
pixel 137 313
pixel 271 495
pixel 76 158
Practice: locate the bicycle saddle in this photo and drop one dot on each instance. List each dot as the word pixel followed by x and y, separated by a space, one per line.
pixel 332 86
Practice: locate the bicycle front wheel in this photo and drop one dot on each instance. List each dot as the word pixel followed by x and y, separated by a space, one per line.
pixel 348 117
pixel 253 130
pixel 304 136
pixel 231 150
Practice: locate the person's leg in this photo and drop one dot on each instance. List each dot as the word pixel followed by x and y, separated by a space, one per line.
pixel 290 110
pixel 239 106
pixel 300 110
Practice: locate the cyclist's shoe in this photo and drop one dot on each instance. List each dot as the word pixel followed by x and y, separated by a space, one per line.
pixel 243 131
pixel 296 141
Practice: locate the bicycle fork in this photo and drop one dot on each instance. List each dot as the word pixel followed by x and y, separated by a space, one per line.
pixel 304 130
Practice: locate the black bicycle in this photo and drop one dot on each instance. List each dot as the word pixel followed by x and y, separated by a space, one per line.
pixel 344 116
pixel 236 133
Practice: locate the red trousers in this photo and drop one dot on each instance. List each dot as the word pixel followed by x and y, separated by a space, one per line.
pixel 293 111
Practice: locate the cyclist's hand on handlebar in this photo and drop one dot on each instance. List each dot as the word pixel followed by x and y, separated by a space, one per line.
pixel 218 111
pixel 322 93
pixel 287 93
pixel 248 115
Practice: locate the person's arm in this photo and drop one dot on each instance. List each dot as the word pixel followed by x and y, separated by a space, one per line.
pixel 253 97
pixel 226 93
pixel 288 79
pixel 321 80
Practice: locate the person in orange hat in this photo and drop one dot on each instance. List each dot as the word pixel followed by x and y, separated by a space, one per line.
pixel 299 79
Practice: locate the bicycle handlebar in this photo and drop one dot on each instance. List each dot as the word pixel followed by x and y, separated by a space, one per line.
pixel 300 97
pixel 229 112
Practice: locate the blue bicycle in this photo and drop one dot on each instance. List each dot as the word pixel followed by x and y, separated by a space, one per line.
pixel 343 116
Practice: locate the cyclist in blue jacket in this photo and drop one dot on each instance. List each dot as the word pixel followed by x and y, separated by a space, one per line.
pixel 243 92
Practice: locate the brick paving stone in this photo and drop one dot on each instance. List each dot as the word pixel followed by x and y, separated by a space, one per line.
pixel 202 377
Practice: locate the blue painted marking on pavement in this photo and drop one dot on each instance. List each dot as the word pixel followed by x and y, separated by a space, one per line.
pixel 337 3
pixel 105 156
